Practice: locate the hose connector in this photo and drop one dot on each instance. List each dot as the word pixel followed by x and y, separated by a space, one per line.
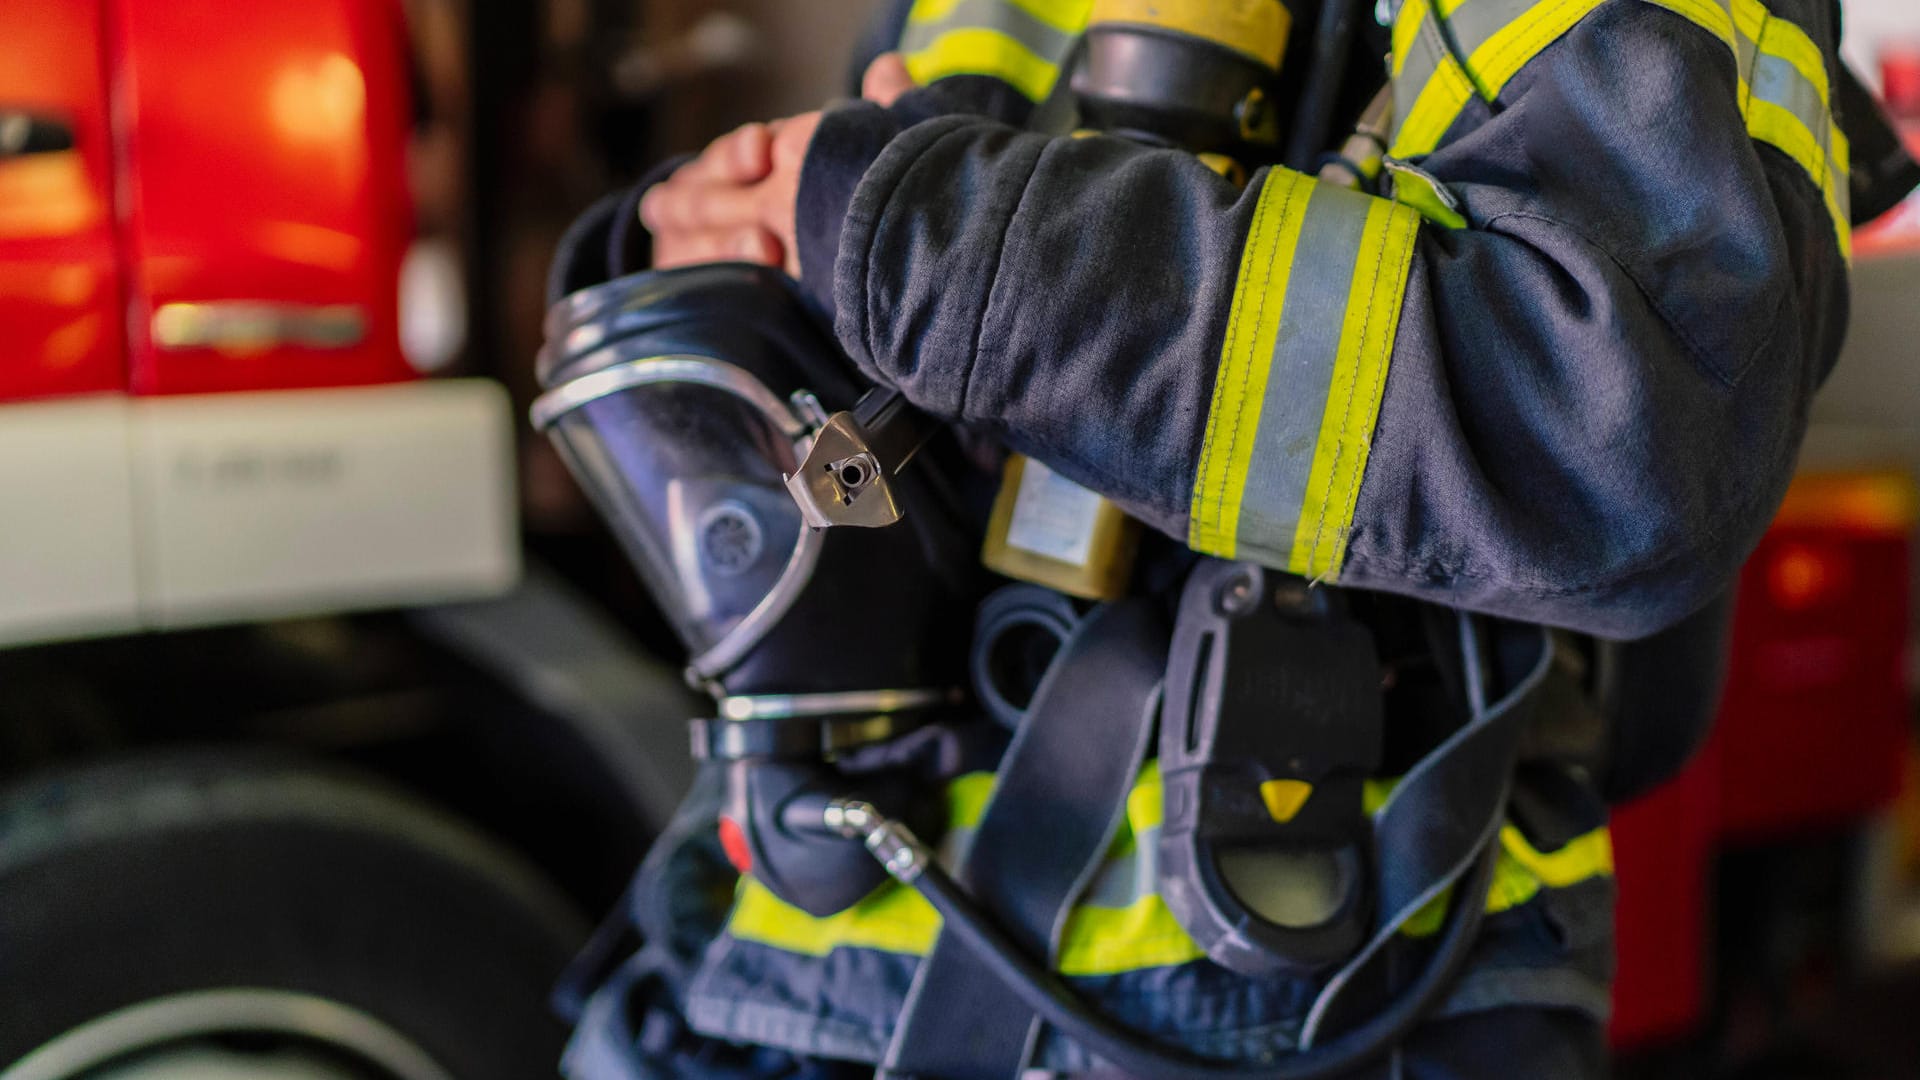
pixel 891 842
pixel 855 819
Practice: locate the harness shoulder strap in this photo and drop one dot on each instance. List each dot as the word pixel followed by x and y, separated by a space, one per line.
pixel 1058 799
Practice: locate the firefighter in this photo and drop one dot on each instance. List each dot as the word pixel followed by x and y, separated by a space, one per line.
pixel 1545 358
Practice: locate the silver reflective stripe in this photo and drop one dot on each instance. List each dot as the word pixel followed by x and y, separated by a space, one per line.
pixel 1487 42
pixel 1746 51
pixel 1475 22
pixel 1777 82
pixel 1046 42
pixel 1427 50
pixel 1313 317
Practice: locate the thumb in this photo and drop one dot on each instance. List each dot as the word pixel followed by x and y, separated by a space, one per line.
pixel 886 79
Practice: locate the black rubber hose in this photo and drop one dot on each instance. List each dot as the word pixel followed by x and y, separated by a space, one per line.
pixel 1060 1006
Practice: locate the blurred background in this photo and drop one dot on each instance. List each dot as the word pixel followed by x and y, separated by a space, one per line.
pixel 330 717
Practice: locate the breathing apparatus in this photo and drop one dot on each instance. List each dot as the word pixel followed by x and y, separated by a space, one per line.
pixel 680 417
pixel 802 539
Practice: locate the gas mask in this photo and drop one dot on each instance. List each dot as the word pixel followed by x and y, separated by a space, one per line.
pixel 682 400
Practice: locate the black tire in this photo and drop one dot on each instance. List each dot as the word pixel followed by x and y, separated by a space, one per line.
pixel 128 882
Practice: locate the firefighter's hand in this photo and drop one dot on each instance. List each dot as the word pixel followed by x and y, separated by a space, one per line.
pixel 735 202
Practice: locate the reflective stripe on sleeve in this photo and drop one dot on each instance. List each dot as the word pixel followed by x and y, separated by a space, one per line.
pixel 1497 37
pixel 1429 85
pixel 1020 42
pixel 1301 375
pixel 1782 82
pixel 1781 75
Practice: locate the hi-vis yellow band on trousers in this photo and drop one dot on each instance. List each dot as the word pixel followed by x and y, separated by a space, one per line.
pixel 1315 312
pixel 1120 924
pixel 1447 52
pixel 1020 42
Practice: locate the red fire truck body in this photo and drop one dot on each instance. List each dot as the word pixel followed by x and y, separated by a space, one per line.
pixel 205 412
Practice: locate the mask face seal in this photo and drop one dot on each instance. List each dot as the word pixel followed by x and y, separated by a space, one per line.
pixel 686 458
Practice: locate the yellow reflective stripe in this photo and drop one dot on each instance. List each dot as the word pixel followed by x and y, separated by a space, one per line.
pixel 977 51
pixel 894 919
pixel 1708 15
pixel 1797 121
pixel 1782 38
pixel 1353 401
pixel 1406 27
pixel 1107 941
pixel 1020 42
pixel 1750 16
pixel 967 799
pixel 1240 387
pixel 1144 806
pixel 1781 129
pixel 1066 16
pixel 1429 86
pixel 1502 56
pixel 1522 872
pixel 1805 133
pixel 1434 110
pixel 1839 190
pixel 1496 50
pixel 1587 856
pixel 1281 462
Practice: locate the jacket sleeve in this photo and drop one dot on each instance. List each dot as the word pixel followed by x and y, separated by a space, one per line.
pixel 1571 393
pixel 990 59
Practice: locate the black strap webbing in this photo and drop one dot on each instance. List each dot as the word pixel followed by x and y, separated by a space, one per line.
pixel 1439 819
pixel 1060 794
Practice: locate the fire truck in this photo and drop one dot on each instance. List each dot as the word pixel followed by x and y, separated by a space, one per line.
pixel 299 774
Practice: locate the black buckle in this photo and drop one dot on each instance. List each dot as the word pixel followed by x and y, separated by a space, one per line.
pixel 1272 723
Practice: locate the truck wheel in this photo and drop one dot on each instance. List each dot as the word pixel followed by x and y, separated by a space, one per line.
pixel 238 914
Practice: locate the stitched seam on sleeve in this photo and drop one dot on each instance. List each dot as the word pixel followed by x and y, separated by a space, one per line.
pixel 1245 370
pixel 1233 324
pixel 1346 407
pixel 1376 392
